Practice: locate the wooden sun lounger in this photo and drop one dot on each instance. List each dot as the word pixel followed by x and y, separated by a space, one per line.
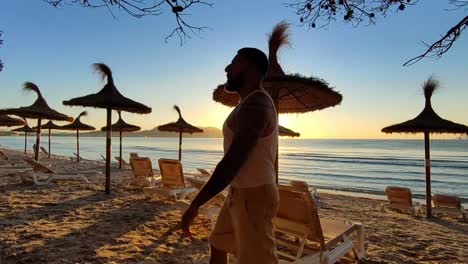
pixel 303 186
pixel 172 181
pixel 204 172
pixel 124 163
pixel 39 169
pixel 143 173
pixel 449 203
pixel 303 237
pixel 400 199
pixel 3 155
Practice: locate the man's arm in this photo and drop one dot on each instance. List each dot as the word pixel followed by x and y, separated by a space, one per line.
pixel 252 119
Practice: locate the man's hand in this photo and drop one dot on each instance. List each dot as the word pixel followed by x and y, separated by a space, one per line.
pixel 187 219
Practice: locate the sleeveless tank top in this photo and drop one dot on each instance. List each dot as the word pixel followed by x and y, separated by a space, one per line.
pixel 259 168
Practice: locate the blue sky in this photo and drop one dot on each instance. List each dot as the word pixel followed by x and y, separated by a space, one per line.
pixel 55 47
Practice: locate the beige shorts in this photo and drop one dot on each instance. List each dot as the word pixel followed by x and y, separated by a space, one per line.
pixel 244 226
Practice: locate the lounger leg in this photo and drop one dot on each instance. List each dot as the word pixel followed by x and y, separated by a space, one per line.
pixel 84 178
pixel 360 242
pixel 182 196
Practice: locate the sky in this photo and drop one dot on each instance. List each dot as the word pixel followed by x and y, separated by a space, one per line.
pixel 55 48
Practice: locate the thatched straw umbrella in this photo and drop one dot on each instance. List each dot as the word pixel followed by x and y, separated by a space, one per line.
pixel 10 121
pixel 50 126
pixel 78 125
pixel 26 129
pixel 428 122
pixel 110 99
pixel 38 110
pixel 121 126
pixel 180 126
pixel 286 132
pixel 291 93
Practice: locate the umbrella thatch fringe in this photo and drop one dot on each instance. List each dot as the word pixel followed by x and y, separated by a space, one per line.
pixel 430 86
pixel 104 71
pixel 178 110
pixel 278 38
pixel 84 113
pixel 31 87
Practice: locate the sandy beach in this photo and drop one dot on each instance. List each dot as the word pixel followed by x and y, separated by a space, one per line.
pixel 70 221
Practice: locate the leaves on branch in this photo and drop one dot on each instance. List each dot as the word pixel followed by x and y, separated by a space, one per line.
pixel 319 13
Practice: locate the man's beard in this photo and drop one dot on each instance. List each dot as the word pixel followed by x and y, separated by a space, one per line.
pixel 233 86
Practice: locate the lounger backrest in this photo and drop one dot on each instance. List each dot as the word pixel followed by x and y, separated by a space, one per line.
pixel 449 201
pixel 399 195
pixel 118 160
pixel 141 167
pixel 203 171
pixel 172 174
pixel 44 150
pixel 134 155
pixel 296 206
pixel 301 186
pixel 38 166
pixel 3 155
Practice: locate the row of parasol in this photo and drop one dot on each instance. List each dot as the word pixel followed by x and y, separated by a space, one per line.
pixel 180 126
pixel 291 93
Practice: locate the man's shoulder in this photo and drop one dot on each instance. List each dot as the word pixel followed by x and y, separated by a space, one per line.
pixel 259 99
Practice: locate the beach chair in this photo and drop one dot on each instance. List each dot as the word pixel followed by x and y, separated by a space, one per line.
pixel 172 181
pixel 44 150
pixel 303 186
pixel 303 237
pixel 143 173
pixel 124 163
pixel 3 155
pixel 10 160
pixel 8 168
pixel 39 170
pixel 400 199
pixel 204 172
pixel 448 203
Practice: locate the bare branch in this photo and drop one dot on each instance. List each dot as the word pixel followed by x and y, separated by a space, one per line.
pixel 141 8
pixel 1 42
pixel 440 47
pixel 459 4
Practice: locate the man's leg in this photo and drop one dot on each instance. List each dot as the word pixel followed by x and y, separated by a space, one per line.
pixel 222 238
pixel 218 256
pixel 253 226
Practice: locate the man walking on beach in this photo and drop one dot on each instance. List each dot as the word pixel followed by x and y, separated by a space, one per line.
pixel 244 225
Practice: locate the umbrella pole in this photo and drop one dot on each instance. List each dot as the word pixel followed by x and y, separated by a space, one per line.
pixel 428 175
pixel 180 144
pixel 276 101
pixel 120 151
pixel 49 144
pixel 108 149
pixel 78 145
pixel 25 142
pixel 38 140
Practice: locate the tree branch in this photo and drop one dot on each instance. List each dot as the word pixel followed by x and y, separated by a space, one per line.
pixel 319 13
pixel 141 8
pixel 1 42
pixel 440 47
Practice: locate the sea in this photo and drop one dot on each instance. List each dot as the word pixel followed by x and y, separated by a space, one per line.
pixel 350 167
